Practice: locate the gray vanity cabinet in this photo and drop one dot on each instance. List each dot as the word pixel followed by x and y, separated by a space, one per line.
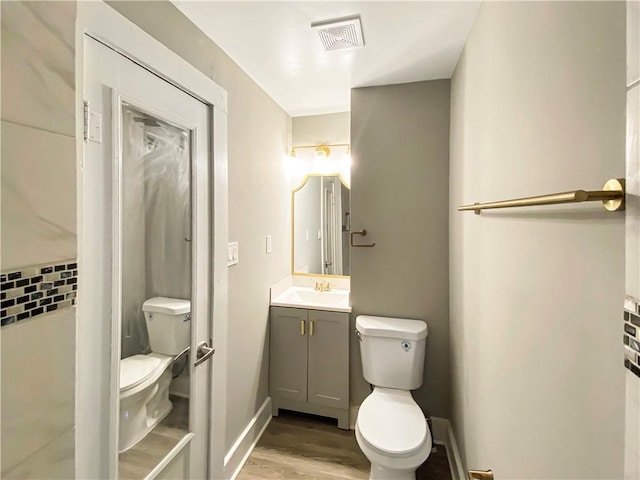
pixel 288 354
pixel 309 362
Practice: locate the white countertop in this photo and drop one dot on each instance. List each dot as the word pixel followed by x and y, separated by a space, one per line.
pixel 287 294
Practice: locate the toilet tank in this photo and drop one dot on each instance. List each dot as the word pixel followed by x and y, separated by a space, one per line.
pixel 168 323
pixel 392 351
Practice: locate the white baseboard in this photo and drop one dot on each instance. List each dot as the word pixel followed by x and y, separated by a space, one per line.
pixel 439 430
pixel 455 461
pixel 443 435
pixel 238 454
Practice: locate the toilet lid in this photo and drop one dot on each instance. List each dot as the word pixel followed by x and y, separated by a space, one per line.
pixel 136 369
pixel 391 421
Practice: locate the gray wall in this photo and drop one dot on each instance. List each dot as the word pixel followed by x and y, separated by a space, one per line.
pixel 400 192
pixel 537 106
pixel 259 194
pixel 318 129
pixel 38 227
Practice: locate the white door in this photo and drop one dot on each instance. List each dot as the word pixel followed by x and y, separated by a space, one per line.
pixel 146 190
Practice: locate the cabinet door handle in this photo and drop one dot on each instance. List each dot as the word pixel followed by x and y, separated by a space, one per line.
pixel 311 328
pixel 301 327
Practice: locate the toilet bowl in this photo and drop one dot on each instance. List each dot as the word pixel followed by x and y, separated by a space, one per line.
pixel 391 429
pixel 393 434
pixel 144 396
pixel 145 379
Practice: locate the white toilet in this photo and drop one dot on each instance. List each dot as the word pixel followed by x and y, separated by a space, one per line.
pixel 145 379
pixel 391 430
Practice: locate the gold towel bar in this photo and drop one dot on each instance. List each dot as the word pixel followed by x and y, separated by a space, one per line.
pixel 611 196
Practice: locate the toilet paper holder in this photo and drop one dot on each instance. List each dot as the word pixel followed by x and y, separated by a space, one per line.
pixel 480 475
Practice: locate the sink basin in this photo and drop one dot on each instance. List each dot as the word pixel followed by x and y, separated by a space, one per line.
pixel 312 296
pixel 302 297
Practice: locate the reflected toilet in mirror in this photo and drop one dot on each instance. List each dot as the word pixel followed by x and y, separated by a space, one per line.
pixel 320 231
pixel 145 379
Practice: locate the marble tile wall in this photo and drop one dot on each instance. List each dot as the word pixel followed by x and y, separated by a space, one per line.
pixel 38 50
pixel 631 336
pixel 38 217
pixel 38 370
pixel 632 252
pixel 38 133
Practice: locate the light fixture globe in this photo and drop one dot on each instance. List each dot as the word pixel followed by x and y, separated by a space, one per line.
pixel 322 152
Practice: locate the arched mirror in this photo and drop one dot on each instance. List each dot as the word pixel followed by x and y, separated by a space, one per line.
pixel 320 210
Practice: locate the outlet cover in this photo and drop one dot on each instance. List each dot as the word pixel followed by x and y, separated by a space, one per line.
pixel 269 244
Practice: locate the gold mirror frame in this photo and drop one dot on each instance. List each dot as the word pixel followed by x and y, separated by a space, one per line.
pixel 293 192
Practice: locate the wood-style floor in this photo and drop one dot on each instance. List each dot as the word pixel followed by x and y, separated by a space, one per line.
pixel 297 446
pixel 138 462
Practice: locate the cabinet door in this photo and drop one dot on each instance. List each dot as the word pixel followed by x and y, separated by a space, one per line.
pixel 328 359
pixel 288 353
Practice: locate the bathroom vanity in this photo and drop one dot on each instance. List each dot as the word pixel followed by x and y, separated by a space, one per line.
pixel 309 317
pixel 309 366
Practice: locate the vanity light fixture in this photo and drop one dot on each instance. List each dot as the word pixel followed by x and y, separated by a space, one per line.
pixel 322 152
pixel 290 162
pixel 347 155
pixel 319 159
pixel 324 147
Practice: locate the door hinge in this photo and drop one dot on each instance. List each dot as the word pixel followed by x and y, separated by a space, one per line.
pixel 86 120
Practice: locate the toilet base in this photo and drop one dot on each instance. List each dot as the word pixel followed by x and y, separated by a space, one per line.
pixel 384 467
pixel 141 412
pixel 381 473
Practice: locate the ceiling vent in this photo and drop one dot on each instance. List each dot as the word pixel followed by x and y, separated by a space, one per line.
pixel 340 33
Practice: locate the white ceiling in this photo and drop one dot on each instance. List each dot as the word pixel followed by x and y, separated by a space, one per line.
pixel 274 44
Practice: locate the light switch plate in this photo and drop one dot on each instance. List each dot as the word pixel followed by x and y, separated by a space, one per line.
pixel 269 244
pixel 233 252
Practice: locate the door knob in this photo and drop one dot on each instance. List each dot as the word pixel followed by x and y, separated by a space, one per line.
pixel 204 353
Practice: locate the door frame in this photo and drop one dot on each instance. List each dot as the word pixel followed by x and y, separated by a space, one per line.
pixel 93 349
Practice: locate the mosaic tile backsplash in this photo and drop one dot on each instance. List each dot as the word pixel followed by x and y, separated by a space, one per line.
pixel 34 291
pixel 632 335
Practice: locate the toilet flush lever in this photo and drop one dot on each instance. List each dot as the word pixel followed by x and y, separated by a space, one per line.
pixel 358 334
pixel 204 353
pixel 181 354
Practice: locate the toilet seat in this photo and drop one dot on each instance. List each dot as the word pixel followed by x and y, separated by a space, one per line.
pixel 139 371
pixel 391 422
